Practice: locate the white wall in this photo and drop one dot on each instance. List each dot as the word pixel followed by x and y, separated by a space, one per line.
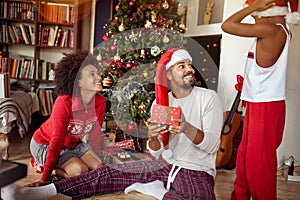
pixel 290 145
pixel 233 54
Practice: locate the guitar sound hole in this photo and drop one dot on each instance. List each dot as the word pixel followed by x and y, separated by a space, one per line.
pixel 222 150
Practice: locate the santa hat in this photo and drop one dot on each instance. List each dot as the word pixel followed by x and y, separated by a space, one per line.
pixel 168 59
pixel 287 8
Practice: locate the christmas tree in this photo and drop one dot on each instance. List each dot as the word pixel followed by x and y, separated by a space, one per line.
pixel 135 38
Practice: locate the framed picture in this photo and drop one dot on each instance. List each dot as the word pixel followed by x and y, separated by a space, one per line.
pixel 204 17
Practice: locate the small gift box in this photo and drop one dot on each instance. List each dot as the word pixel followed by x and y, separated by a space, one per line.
pixel 164 114
pixel 126 144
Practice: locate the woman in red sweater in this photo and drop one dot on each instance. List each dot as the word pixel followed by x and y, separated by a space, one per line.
pixel 77 113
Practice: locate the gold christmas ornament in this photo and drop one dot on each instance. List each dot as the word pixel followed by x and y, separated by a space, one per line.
pixel 117 57
pixel 165 5
pixel 153 16
pixel 165 39
pixel 121 28
pixel 142 107
pixel 145 74
pixel 182 26
pixel 142 53
pixel 99 57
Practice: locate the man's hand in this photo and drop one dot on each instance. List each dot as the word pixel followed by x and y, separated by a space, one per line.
pixel 154 130
pixel 180 128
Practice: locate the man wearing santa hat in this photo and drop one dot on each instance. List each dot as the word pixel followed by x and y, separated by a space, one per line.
pixel 264 91
pixel 188 168
pixel 189 148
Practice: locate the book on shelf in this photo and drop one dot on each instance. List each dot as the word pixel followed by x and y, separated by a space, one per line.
pixel 65 14
pixel 4 64
pixel 27 65
pixel 46 98
pixel 71 39
pixel 18 34
pixel 12 35
pixel 24 34
pixel 65 39
pixel 52 35
pixel 59 32
pixel 14 66
pixel 18 69
pixel 4 33
pixel 4 9
pixel 44 70
pixel 38 69
pixel 4 85
pixel 31 33
pixel 31 70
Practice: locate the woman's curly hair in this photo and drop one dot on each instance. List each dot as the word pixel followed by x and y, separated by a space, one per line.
pixel 69 71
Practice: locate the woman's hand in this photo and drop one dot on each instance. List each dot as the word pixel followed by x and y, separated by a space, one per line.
pixel 36 184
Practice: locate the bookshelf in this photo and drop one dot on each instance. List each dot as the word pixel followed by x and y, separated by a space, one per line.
pixel 34 34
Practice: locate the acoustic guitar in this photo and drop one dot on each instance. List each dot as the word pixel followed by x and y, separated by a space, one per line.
pixel 231 126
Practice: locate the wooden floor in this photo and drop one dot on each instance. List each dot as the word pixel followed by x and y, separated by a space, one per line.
pixel 19 152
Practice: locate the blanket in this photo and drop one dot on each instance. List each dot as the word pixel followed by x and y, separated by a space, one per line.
pixel 19 106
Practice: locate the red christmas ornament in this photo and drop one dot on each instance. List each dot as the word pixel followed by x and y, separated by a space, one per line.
pixel 130 127
pixel 117 7
pixel 105 37
pixel 113 64
pixel 128 65
pixel 131 3
pixel 113 48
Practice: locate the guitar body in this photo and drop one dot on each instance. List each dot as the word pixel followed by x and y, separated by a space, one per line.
pixel 226 144
pixel 236 143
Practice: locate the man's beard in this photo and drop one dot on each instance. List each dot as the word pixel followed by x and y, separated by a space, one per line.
pixel 190 83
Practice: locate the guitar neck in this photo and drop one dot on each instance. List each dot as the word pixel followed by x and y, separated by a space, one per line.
pixel 233 108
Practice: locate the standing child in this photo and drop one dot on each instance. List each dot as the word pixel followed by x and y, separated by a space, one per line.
pixel 264 91
pixel 77 112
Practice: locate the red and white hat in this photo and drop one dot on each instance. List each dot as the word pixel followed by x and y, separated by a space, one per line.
pixel 168 59
pixel 287 8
